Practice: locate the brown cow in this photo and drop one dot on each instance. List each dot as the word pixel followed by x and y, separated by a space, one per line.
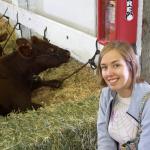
pixel 19 69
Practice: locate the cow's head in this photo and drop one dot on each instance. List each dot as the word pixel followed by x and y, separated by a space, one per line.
pixel 43 54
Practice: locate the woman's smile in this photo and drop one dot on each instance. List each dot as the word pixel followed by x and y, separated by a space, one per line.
pixel 112 81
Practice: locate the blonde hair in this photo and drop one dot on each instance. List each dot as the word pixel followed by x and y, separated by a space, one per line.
pixel 128 54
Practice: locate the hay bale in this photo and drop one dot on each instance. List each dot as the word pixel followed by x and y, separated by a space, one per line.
pixel 66 122
pixel 67 126
pixel 77 87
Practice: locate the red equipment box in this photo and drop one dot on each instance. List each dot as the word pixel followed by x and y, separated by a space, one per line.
pixel 117 20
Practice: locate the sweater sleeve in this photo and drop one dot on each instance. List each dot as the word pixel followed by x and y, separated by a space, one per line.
pixel 104 141
pixel 144 141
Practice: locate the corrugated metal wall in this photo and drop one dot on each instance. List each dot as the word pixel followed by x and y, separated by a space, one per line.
pixel 145 56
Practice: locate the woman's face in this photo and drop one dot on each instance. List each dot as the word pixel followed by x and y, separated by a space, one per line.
pixel 115 72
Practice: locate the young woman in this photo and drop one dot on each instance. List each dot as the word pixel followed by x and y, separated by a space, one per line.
pixel 121 98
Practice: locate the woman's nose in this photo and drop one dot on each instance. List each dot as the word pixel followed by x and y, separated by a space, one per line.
pixel 110 71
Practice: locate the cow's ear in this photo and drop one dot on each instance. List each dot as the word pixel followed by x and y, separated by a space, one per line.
pixel 25 51
pixel 34 39
pixel 21 42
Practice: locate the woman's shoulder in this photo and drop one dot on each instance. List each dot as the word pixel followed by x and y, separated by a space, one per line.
pixel 106 92
pixel 142 87
pixel 105 97
pixel 140 90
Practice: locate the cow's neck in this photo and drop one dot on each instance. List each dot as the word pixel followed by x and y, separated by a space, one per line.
pixel 17 65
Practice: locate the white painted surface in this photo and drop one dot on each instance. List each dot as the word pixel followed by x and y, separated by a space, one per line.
pixel 81 44
pixel 71 24
pixel 79 14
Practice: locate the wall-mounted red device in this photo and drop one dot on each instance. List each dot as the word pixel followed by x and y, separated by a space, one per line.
pixel 117 20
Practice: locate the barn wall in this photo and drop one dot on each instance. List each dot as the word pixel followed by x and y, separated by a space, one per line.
pixel 71 24
pixel 145 56
pixel 66 29
pixel 79 14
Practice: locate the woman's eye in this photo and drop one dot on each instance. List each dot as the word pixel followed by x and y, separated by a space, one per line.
pixel 116 65
pixel 103 67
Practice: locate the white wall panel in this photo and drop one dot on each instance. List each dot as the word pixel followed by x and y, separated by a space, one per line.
pixel 80 43
pixel 79 14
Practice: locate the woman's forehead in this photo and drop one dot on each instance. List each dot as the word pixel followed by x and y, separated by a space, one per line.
pixel 111 55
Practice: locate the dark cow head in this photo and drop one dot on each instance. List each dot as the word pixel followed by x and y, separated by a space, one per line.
pixel 43 54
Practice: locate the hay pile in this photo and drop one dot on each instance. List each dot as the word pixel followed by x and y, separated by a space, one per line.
pixel 68 120
pixel 5 27
pixel 67 126
pixel 77 87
